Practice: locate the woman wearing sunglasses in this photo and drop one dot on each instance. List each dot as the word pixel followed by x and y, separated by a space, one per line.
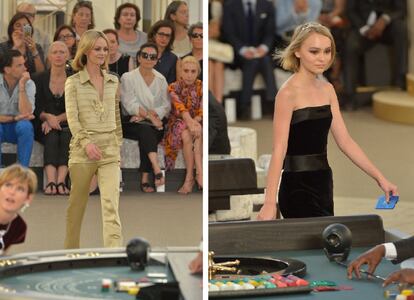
pixel 162 35
pixel 144 97
pixel 195 32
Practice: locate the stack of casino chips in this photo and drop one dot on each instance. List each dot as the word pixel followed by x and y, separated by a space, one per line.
pixel 106 284
pixel 405 294
pixel 257 282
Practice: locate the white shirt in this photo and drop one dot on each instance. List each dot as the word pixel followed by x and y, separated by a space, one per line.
pixel 390 251
pixel 135 93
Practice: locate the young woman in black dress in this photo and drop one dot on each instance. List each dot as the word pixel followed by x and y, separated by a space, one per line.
pixel 306 109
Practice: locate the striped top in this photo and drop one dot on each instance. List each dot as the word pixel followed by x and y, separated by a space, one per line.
pixel 92 120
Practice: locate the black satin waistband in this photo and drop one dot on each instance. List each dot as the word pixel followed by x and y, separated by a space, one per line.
pixel 310 162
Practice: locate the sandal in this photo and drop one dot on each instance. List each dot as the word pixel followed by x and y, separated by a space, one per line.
pixel 64 191
pixel 187 187
pixel 159 179
pixel 51 187
pixel 147 188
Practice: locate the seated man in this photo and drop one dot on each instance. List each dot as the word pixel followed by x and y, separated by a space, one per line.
pixel 397 252
pixel 374 22
pixel 17 93
pixel 17 187
pixel 249 27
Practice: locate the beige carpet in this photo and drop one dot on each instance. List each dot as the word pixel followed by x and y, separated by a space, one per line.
pixel 389 145
pixel 164 219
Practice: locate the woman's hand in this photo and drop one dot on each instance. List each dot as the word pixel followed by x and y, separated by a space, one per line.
pixel 93 151
pixel 267 212
pixel 388 188
pixel 46 127
pixel 153 117
pixel 53 122
pixel 30 43
pixel 195 128
pixel 17 39
pixel 136 119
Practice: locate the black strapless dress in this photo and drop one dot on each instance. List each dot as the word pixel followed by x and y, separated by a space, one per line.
pixel 306 187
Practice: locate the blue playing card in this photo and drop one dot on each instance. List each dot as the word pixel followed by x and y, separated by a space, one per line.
pixel 382 204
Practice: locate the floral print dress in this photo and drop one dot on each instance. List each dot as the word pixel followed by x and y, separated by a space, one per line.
pixel 184 98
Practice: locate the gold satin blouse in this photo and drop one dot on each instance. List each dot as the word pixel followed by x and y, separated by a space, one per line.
pixel 92 120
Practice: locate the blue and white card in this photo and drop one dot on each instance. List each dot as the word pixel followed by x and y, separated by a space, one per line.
pixel 382 204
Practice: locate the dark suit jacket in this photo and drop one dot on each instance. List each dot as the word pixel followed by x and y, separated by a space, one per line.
pixel 234 25
pixel 405 249
pixel 359 10
pixel 218 138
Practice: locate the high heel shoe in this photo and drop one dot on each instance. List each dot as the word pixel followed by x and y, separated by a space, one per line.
pixel 187 187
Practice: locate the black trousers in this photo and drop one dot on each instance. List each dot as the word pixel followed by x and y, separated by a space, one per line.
pixel 250 67
pixel 395 34
pixel 148 138
pixel 56 147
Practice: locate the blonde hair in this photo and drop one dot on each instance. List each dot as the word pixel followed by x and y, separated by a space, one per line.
pixel 288 59
pixel 86 43
pixel 57 43
pixel 22 174
pixel 191 60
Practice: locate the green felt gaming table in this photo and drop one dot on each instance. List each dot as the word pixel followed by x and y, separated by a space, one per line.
pixel 301 239
pixel 78 274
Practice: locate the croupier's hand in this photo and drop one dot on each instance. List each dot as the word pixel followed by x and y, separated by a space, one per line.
pixel 371 258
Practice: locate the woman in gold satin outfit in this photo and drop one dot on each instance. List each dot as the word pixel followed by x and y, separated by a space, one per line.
pixel 92 109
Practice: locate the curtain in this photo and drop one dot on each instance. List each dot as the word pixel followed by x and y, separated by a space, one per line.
pixel 158 11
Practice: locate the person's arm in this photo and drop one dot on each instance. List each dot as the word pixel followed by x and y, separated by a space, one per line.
pixel 404 249
pixel 163 110
pixel 182 111
pixel 269 27
pixel 128 98
pixel 79 134
pixel 198 113
pixel 7 119
pixel 353 16
pixel 287 18
pixel 397 11
pixel 281 127
pixel 37 54
pixel 27 91
pixel 118 116
pixel 371 258
pixel 229 22
pixel 131 64
pixel 352 150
